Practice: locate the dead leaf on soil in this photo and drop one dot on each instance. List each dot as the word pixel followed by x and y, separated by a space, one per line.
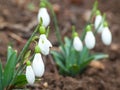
pixel 97 65
pixel 56 8
pixel 115 47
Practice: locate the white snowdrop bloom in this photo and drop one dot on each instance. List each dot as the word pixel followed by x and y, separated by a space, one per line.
pixel 38 65
pixel 77 44
pixel 44 15
pixel 98 21
pixel 44 44
pixel 30 75
pixel 106 36
pixel 90 40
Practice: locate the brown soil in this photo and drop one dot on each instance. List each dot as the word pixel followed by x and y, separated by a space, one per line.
pixel 17 19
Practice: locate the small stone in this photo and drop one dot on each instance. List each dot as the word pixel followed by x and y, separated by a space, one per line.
pixel 45 84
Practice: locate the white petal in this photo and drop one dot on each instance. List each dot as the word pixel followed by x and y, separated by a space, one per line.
pixel 44 38
pixel 38 65
pixel 77 44
pixel 44 44
pixel 44 15
pixel 106 36
pixel 90 40
pixel 30 75
pixel 98 21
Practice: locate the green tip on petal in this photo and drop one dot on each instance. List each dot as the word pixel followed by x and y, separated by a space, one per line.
pixel 42 30
pixel 41 21
pixel 42 4
pixel 98 12
pixel 105 24
pixel 28 63
pixel 75 34
pixel 37 49
pixel 88 28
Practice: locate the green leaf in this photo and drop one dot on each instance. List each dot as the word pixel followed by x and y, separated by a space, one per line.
pixel 59 60
pixel 9 68
pixel 20 81
pixel 1 87
pixel 100 56
pixel 74 69
pixel 67 46
pixel 9 52
pixel 83 55
pixel 92 57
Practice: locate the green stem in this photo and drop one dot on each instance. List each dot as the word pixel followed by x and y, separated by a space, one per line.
pixel 20 71
pixel 57 31
pixel 92 14
pixel 22 53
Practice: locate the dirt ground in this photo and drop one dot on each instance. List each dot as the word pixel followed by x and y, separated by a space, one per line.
pixel 17 22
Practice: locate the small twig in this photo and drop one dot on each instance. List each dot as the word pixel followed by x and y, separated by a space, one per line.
pixel 16 37
pixel 19 27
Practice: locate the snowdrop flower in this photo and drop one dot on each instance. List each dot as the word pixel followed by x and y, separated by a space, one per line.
pixel 106 35
pixel 89 38
pixel 38 65
pixel 44 44
pixel 77 43
pixel 30 74
pixel 98 22
pixel 44 15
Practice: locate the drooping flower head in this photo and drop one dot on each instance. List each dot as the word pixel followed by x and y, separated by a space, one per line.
pixel 106 35
pixel 30 76
pixel 98 22
pixel 44 44
pixel 38 65
pixel 77 43
pixel 43 14
pixel 89 38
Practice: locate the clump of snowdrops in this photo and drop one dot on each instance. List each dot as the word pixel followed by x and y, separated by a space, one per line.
pixel 72 58
pixel 28 66
pixel 74 54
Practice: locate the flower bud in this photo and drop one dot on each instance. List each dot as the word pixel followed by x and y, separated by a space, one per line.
pixel 44 15
pixel 106 36
pixel 30 74
pixel 90 40
pixel 77 44
pixel 38 65
pixel 98 22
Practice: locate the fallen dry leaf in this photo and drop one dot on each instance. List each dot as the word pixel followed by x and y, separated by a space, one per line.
pixel 97 65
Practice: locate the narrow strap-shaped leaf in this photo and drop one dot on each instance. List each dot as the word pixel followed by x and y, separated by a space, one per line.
pixel 58 54
pixel 86 62
pixel 20 81
pixel 59 61
pixel 100 56
pixel 9 69
pixel 92 57
pixel 84 54
pixel 9 52
pixel 1 87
